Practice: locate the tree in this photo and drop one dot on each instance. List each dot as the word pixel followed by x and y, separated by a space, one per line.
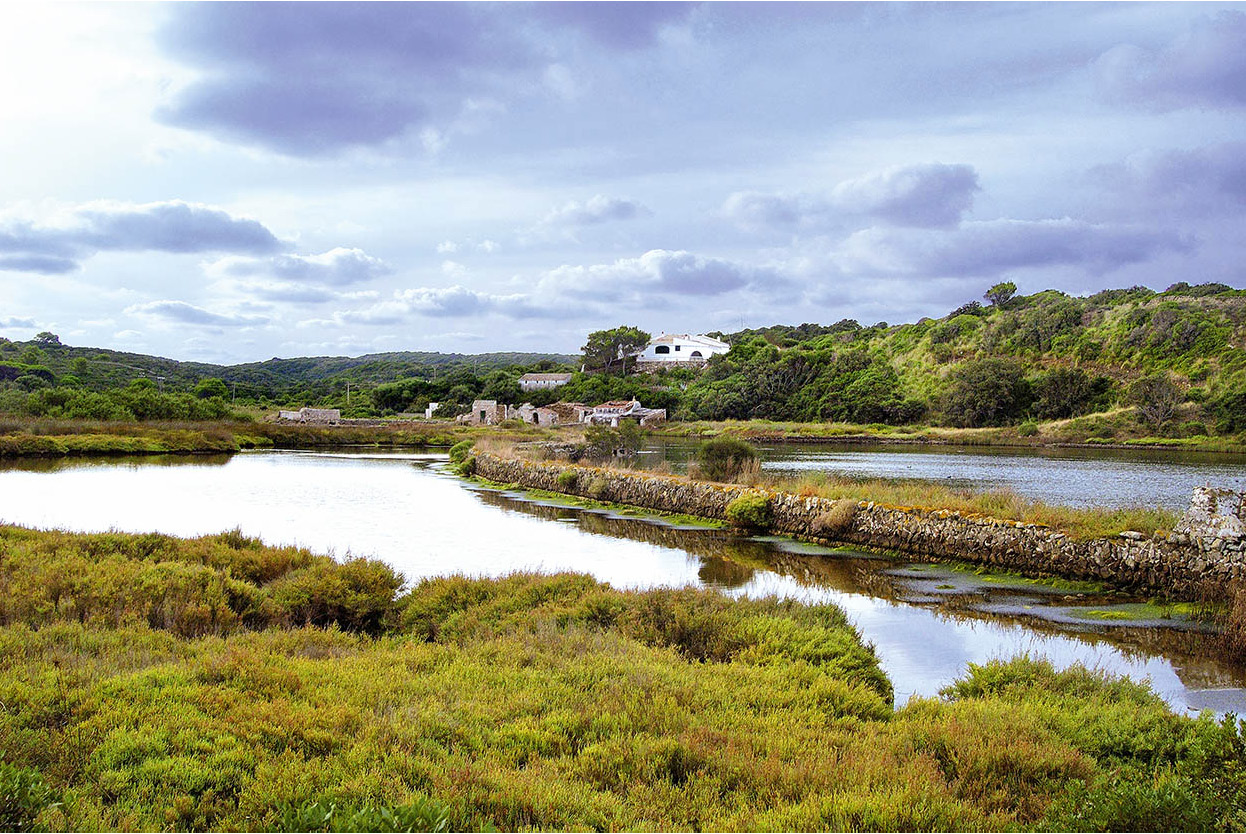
pixel 999 294
pixel 608 349
pixel 986 392
pixel 211 387
pixel 47 339
pixel 1155 399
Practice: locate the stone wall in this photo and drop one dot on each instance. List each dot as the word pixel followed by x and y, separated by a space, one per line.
pixel 1200 557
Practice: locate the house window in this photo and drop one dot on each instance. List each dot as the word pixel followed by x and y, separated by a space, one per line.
pixel 696 354
pixel 662 349
pixel 676 347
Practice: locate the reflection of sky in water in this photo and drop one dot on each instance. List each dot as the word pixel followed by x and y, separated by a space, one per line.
pixel 1065 480
pixel 394 507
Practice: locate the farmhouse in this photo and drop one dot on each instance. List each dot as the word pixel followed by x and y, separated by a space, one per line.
pixel 679 349
pixel 540 382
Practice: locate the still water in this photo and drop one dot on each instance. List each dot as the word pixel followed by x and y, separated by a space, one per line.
pixel 1077 477
pixel 926 622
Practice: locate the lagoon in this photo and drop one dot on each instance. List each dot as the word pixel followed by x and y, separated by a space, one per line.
pixel 927 622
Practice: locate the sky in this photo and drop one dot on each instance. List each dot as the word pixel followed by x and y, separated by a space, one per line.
pixel 229 182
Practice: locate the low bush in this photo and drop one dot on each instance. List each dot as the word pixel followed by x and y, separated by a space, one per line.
pixel 23 796
pixel 726 458
pixel 750 512
pixel 837 519
pixel 566 479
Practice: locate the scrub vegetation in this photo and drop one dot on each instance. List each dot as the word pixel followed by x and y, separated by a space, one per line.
pixel 156 683
pixel 1119 366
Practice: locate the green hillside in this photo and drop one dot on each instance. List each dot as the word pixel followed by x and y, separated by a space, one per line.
pixel 1046 356
pixel 1170 363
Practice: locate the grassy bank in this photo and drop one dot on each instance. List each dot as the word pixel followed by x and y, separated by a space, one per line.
pixel 53 438
pixel 153 683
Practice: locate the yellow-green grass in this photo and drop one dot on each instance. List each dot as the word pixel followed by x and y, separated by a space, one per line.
pixel 548 703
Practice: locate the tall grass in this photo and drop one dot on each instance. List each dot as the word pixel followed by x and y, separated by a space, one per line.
pixel 550 702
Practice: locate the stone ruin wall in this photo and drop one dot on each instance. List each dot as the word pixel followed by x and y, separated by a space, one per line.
pixel 1204 555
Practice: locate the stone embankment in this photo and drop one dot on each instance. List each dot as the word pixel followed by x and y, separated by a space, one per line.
pixel 1206 554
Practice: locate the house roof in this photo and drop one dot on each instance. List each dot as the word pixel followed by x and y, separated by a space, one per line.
pixel 671 338
pixel 545 378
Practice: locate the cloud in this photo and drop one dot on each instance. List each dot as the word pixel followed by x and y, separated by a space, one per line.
pixel 1204 67
pixel 13 321
pixel 989 248
pixel 652 275
pixel 596 210
pixel 926 195
pixel 176 227
pixel 448 301
pixel 181 312
pixel 337 267
pixel 316 79
pixel 618 25
pixel 1200 181
pixel 41 264
pixel 758 210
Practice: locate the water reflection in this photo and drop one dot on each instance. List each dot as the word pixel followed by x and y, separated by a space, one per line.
pixel 62 463
pixel 403 509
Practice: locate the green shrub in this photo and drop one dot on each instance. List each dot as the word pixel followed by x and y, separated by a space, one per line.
pixel 460 451
pixel 1027 429
pixel 726 458
pixel 566 479
pixel 23 795
pixel 466 467
pixel 750 512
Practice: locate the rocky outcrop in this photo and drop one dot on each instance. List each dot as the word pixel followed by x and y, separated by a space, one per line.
pixel 1204 555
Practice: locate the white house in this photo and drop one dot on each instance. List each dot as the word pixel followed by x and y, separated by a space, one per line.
pixel 683 349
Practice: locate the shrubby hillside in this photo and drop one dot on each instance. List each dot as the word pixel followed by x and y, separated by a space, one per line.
pixel 1046 356
pixel 1176 357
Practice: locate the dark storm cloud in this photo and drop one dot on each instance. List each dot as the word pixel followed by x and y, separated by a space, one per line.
pixel 155 227
pixel 1195 182
pixel 308 79
pixel 1206 66
pixel 181 312
pixel 994 247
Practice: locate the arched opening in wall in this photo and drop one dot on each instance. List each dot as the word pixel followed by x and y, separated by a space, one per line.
pixel 696 354
pixel 662 349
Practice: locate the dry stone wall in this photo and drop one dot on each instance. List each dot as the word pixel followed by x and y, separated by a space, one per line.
pixel 1202 556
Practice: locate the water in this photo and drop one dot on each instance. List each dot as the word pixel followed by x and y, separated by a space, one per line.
pixel 926 622
pixel 1068 476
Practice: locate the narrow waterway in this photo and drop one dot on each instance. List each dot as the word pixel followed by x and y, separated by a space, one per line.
pixel 1078 477
pixel 927 622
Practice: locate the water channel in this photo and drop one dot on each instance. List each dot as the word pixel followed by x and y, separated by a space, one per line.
pixel 926 621
pixel 1071 476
